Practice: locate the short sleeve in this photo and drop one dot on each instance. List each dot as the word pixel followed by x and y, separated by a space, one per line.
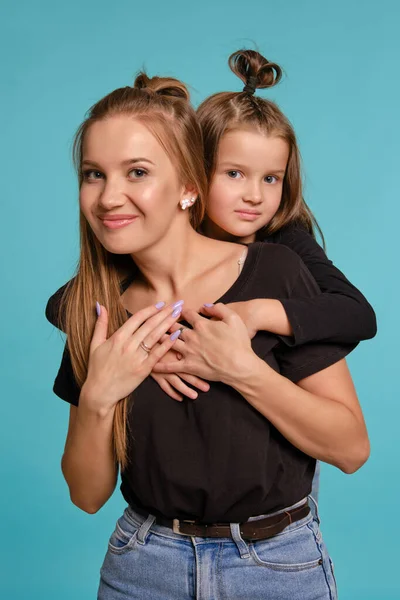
pixel 65 384
pixel 298 362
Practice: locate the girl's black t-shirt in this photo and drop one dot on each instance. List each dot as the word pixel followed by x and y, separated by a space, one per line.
pixel 217 459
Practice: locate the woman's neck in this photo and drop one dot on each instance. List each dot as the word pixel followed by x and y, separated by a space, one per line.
pixel 168 267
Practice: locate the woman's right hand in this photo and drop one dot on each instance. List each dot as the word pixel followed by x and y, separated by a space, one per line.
pixel 119 364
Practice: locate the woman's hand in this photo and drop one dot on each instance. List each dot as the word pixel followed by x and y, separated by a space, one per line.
pixel 174 385
pixel 119 364
pixel 214 348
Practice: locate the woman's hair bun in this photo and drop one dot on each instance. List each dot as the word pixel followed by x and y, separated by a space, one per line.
pixel 254 70
pixel 164 86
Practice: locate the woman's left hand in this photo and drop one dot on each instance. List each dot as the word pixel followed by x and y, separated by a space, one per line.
pixel 213 348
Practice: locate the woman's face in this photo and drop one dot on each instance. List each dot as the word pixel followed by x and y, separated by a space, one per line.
pixel 246 188
pixel 130 192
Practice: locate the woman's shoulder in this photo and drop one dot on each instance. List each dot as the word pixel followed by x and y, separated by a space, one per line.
pixel 53 306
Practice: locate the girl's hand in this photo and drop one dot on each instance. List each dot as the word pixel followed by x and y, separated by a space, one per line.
pixel 173 384
pixel 117 365
pixel 263 314
pixel 214 348
pixel 248 312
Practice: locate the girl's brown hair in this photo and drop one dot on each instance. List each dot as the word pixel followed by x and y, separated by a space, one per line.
pixel 163 105
pixel 227 111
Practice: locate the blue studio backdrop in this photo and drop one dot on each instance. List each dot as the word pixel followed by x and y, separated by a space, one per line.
pixel 341 92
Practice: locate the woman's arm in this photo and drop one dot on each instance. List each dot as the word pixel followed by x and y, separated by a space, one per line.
pixel 88 463
pixel 320 414
pixel 117 365
pixel 339 314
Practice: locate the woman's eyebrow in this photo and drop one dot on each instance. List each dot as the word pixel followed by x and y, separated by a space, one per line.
pixel 129 161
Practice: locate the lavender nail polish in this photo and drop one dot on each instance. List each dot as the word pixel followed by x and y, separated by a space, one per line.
pixel 160 305
pixel 179 303
pixel 175 335
pixel 208 305
pixel 98 309
pixel 177 311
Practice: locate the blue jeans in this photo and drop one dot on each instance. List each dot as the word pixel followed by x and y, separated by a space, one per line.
pixel 146 561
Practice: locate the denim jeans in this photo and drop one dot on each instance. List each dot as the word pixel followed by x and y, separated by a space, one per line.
pixel 146 561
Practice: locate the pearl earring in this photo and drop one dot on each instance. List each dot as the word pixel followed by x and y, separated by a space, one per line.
pixel 187 202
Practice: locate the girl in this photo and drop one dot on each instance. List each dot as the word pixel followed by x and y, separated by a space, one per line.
pixel 255 192
pixel 216 489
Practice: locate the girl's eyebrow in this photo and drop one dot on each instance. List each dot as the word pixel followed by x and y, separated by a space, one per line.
pixel 234 165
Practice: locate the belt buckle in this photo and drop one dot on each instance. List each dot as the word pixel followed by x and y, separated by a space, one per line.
pixel 176 526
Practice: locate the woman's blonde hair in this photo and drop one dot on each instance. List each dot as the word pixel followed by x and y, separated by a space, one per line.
pixel 163 105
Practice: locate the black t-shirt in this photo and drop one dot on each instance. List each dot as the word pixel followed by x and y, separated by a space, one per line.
pixel 341 313
pixel 217 459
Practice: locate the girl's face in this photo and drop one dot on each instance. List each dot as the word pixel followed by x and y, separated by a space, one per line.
pixel 246 188
pixel 130 192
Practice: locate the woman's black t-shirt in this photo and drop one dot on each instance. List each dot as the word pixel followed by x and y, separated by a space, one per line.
pixel 217 459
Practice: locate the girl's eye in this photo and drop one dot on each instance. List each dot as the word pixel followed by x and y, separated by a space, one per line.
pixel 233 174
pixel 91 174
pixel 137 173
pixel 271 179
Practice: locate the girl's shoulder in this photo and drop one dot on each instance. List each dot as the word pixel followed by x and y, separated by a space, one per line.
pixel 287 234
pixel 278 269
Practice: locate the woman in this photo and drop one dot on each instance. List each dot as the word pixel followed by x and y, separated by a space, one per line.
pixel 216 488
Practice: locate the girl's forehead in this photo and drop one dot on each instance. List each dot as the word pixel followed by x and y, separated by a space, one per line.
pixel 252 145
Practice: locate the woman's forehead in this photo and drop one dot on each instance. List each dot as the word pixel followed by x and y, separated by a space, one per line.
pixel 121 138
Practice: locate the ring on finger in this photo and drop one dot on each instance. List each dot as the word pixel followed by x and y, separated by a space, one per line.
pixel 145 347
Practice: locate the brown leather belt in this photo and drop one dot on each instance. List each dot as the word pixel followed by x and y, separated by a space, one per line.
pixel 260 529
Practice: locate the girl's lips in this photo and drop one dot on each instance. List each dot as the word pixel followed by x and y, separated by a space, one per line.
pixel 118 223
pixel 247 216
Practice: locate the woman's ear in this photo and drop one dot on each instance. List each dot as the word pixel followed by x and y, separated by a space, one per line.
pixel 188 196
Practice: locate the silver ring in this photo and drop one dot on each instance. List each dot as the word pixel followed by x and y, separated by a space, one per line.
pixel 145 347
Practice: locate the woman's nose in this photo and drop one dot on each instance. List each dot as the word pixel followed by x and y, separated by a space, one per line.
pixel 112 196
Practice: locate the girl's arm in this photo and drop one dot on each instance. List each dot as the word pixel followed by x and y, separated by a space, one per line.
pixel 339 314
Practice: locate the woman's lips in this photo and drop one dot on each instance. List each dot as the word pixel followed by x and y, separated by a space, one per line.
pixel 247 215
pixel 117 221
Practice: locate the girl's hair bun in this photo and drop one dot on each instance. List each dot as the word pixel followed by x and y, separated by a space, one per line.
pixel 163 86
pixel 254 70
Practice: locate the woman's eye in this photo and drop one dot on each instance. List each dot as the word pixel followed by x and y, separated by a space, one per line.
pixel 91 174
pixel 233 174
pixel 137 173
pixel 271 179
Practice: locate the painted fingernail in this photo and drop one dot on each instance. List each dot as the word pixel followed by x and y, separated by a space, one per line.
pixel 160 305
pixel 98 309
pixel 177 311
pixel 179 303
pixel 208 305
pixel 175 335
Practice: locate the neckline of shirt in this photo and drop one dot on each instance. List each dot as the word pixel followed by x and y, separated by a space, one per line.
pixel 237 285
